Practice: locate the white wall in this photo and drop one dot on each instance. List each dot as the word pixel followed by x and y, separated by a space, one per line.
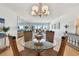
pixel 10 19
pixel 67 18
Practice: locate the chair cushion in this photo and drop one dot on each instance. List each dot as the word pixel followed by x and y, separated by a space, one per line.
pixel 28 52
pixel 49 52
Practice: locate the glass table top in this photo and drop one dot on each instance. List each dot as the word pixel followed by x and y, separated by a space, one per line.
pixel 30 45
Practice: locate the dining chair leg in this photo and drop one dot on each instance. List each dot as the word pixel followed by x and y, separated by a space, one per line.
pixel 38 53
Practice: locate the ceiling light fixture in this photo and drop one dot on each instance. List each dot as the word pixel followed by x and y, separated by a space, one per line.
pixel 40 10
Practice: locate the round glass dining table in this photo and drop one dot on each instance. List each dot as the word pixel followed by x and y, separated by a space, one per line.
pixel 30 44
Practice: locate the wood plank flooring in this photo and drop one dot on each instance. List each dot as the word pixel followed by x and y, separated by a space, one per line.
pixel 68 51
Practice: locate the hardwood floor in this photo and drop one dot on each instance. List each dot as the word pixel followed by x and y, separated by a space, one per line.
pixel 71 52
pixel 8 52
pixel 68 51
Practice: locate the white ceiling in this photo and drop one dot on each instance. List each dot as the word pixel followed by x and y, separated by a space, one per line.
pixel 56 9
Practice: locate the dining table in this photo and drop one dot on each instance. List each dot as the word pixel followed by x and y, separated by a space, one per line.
pixel 38 48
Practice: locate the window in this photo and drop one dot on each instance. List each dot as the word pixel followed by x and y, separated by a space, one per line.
pixel 2 39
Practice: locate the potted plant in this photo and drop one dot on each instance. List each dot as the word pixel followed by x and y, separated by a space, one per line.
pixel 5 29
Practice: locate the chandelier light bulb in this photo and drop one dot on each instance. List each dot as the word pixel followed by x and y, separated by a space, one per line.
pixel 45 7
pixel 47 13
pixel 35 8
pixel 33 13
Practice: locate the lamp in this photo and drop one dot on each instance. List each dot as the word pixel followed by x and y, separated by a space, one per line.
pixel 40 10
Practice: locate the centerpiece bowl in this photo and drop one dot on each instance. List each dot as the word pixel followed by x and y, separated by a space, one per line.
pixel 38 44
pixel 38 37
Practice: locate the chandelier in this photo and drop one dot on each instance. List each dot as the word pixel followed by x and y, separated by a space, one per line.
pixel 40 10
